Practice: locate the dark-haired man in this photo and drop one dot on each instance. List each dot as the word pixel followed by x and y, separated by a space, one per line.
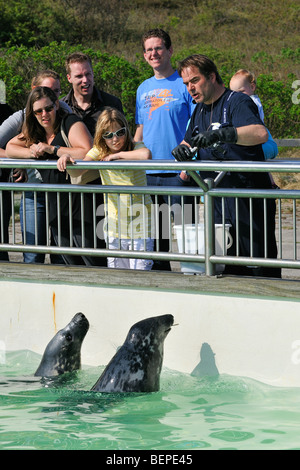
pixel 87 102
pixel 226 126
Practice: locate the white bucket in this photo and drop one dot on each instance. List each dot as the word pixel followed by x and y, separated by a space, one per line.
pixel 190 245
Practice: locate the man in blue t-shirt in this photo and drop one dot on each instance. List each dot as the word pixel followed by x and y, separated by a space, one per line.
pixel 163 108
pixel 226 126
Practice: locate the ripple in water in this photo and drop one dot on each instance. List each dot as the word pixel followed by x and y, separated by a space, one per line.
pixel 187 413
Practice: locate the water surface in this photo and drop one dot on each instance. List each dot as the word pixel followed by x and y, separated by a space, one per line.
pixel 187 413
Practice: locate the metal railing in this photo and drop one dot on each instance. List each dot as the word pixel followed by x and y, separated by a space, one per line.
pixel 203 212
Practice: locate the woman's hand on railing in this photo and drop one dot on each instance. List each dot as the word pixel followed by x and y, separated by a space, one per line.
pixel 63 160
pixel 38 150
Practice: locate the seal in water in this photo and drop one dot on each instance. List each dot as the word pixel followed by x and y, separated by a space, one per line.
pixel 63 353
pixel 136 366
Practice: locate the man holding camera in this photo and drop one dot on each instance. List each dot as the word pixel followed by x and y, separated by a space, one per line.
pixel 226 126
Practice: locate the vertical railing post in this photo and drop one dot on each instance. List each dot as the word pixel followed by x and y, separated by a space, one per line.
pixel 209 228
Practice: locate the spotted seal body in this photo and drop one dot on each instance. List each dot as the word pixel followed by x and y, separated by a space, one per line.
pixel 63 353
pixel 136 366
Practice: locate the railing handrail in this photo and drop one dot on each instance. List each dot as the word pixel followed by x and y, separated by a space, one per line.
pixel 159 190
pixel 278 166
pixel 210 258
pixel 288 142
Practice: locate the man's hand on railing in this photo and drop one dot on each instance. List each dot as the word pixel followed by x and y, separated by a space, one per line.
pixel 183 153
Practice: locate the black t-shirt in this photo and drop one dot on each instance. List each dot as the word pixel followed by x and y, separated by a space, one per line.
pixel 57 177
pixel 100 99
pixel 234 109
pixel 5 112
pixel 69 120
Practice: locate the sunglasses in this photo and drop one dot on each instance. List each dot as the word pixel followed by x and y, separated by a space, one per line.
pixel 119 133
pixel 47 109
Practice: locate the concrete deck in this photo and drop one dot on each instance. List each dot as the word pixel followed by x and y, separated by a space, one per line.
pixel 156 280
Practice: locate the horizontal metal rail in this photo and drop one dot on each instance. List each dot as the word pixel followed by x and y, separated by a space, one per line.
pixel 288 142
pixel 290 260
pixel 274 166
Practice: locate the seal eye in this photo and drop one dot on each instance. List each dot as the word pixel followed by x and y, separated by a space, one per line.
pixel 68 337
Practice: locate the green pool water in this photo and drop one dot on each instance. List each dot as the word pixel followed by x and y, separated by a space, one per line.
pixel 187 413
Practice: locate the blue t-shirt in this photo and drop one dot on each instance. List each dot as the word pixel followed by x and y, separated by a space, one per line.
pixel 236 109
pixel 163 107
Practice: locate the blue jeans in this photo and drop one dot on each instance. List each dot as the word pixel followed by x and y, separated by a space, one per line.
pixel 30 225
pixel 173 179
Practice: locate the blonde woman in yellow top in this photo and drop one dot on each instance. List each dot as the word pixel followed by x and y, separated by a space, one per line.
pixel 128 217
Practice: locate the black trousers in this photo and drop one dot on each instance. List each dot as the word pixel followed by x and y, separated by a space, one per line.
pixel 242 221
pixel 77 235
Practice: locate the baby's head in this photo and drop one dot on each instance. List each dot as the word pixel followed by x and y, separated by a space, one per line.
pixel 243 81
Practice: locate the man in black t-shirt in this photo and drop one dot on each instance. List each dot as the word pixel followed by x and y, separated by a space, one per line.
pixel 225 125
pixel 87 102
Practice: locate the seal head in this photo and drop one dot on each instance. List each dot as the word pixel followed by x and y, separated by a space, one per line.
pixel 63 353
pixel 136 366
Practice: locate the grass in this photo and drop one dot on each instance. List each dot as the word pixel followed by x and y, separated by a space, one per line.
pixel 255 32
pixel 288 180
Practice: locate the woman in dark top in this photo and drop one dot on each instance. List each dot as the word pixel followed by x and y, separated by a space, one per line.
pixel 41 138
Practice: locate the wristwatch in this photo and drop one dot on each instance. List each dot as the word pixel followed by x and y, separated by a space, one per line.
pixel 56 148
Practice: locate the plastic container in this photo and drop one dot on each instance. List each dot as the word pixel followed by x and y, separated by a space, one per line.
pixel 190 245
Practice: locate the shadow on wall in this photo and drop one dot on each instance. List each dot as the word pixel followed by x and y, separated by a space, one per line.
pixel 207 365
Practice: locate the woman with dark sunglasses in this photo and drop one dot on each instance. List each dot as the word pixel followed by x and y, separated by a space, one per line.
pixel 32 207
pixel 41 138
pixel 128 217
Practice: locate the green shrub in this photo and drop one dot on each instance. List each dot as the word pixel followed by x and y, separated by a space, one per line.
pixel 118 76
pixel 113 74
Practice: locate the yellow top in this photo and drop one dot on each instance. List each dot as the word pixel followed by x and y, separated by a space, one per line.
pixel 126 215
